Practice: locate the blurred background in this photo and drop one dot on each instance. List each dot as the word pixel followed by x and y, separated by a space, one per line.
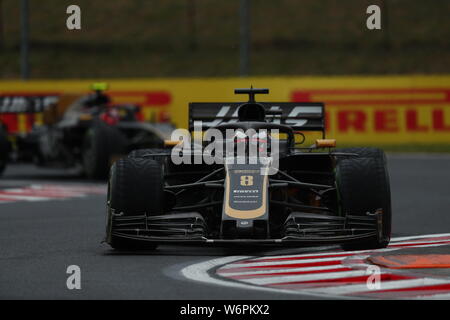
pixel 388 87
pixel 203 38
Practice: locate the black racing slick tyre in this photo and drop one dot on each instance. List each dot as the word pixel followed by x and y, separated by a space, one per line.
pixel 147 153
pixel 101 146
pixel 365 152
pixel 4 149
pixel 135 187
pixel 363 186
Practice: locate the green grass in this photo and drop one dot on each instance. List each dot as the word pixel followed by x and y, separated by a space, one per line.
pixel 149 38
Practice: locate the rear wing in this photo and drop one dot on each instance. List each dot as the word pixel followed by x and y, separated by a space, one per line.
pixel 25 103
pixel 18 113
pixel 300 116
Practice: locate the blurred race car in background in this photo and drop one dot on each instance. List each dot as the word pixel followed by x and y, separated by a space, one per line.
pixel 79 130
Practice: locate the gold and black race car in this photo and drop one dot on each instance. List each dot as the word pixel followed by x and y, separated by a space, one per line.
pixel 242 174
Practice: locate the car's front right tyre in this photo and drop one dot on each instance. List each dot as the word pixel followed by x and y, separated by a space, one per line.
pixel 135 187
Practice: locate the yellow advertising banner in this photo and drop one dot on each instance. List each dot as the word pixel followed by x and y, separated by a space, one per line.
pixel 360 110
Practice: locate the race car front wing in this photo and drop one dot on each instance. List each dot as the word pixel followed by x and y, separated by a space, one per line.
pixel 300 229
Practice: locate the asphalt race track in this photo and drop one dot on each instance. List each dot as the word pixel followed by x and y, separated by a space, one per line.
pixel 51 219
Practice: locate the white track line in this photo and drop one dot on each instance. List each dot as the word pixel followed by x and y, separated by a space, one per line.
pixel 426 245
pixel 419 243
pixel 255 265
pixel 41 193
pixel 266 273
pixel 318 255
pixel 93 190
pixel 438 235
pixel 48 193
pixel 305 277
pixel 313 255
pixel 25 198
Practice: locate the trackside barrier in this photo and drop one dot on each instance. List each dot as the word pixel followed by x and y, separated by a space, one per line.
pixel 370 110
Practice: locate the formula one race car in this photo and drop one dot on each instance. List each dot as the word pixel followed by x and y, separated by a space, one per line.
pixel 81 130
pixel 282 194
